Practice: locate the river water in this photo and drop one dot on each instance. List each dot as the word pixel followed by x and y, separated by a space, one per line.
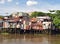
pixel 29 39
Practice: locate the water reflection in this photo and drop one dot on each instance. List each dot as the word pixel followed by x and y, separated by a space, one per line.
pixel 29 39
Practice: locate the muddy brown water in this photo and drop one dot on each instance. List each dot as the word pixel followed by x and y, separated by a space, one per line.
pixel 29 39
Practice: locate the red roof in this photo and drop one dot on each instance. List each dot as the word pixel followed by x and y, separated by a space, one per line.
pixel 33 19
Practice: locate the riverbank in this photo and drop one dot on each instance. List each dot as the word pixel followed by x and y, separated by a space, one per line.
pixel 29 31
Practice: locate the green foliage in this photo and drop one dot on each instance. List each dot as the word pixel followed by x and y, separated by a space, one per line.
pixel 1 16
pixel 56 21
pixel 35 14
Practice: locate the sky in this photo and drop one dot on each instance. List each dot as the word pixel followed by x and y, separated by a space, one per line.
pixel 10 6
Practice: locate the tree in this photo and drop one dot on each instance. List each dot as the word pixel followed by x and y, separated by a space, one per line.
pixel 56 17
pixel 1 16
pixel 35 14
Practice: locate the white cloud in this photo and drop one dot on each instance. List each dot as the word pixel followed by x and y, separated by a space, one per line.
pixel 17 3
pixel 9 0
pixel 31 2
pixel 2 1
